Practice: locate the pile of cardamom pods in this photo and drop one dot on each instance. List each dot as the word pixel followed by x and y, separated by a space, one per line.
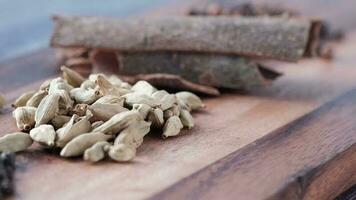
pixel 97 117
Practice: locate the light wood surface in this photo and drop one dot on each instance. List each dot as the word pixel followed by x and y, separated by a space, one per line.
pixel 231 124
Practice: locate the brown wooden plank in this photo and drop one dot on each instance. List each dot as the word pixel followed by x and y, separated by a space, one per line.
pixel 313 157
pixel 230 122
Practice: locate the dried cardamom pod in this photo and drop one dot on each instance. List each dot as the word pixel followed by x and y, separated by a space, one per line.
pixel 143 109
pixel 80 109
pixel 96 152
pixel 36 98
pixel 156 117
pixel 72 77
pixel 143 87
pixel 94 77
pixel 79 144
pixel 167 101
pixel 173 111
pixel 47 109
pixel 189 100
pixel 65 102
pixel 22 100
pixel 107 88
pixel 96 124
pixel 159 94
pixel 186 118
pixel 125 85
pixel 110 99
pixel 116 81
pixel 88 84
pixel 45 85
pixel 76 126
pixel 44 134
pixel 122 152
pixel 59 84
pixel 172 127
pixel 133 135
pixel 59 120
pixel 15 142
pixel 88 96
pixel 25 117
pixel 118 122
pixel 138 98
pixel 103 112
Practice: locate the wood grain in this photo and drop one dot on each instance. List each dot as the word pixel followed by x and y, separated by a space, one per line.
pixel 292 162
pixel 230 122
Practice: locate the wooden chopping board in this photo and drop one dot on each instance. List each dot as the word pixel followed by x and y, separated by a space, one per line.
pixel 290 140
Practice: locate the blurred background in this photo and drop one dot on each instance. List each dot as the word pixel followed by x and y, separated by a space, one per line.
pixel 26 25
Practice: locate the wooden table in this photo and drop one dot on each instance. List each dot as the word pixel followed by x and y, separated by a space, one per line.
pixel 295 139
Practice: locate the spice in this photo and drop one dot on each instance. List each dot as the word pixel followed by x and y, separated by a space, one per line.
pixel 268 37
pixel 43 134
pixel 15 142
pixel 106 118
pixel 20 101
pixel 25 117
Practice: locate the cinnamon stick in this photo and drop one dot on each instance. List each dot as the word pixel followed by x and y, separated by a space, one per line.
pixel 267 37
pixel 214 70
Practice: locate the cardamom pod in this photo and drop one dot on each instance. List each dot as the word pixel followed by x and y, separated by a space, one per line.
pixel 138 98
pixel 167 101
pixel 107 88
pixel 103 112
pixel 174 110
pixel 110 99
pixel 88 96
pixel 118 122
pixel 96 152
pixel 25 117
pixel 96 124
pixel 189 100
pixel 143 87
pixel 22 100
pixel 76 126
pixel 44 134
pixel 72 77
pixel 143 109
pixel 133 135
pixel 159 94
pixel 65 102
pixel 156 117
pixel 47 109
pixel 36 98
pixel 125 85
pixel 59 84
pixel 45 85
pixel 15 142
pixel 88 84
pixel 80 109
pixel 186 118
pixel 172 127
pixel 114 80
pixel 79 144
pixel 59 121
pixel 122 152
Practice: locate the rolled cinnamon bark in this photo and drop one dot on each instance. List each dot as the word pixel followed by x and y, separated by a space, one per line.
pixel 267 37
pixel 214 70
